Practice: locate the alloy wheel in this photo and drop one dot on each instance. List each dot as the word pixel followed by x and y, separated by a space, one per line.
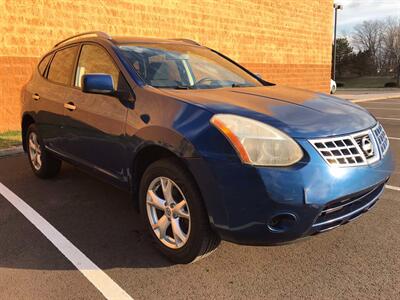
pixel 168 212
pixel 35 153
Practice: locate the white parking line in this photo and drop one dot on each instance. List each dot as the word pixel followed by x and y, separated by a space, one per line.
pixel 92 272
pixel 391 187
pixel 394 138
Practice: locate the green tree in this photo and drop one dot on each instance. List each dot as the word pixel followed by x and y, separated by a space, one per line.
pixel 343 55
pixel 367 36
pixel 362 64
pixel 391 42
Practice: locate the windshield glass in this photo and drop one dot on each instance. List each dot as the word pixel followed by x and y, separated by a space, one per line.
pixel 185 67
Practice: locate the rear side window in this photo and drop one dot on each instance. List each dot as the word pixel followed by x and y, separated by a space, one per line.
pixel 62 66
pixel 94 59
pixel 43 64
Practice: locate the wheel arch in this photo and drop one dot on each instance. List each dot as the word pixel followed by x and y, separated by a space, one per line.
pixel 158 142
pixel 204 183
pixel 147 155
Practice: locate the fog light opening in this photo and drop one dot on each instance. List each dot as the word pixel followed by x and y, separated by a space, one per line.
pixel 282 222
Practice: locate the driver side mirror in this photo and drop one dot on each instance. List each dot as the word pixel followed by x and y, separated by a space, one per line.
pixel 98 84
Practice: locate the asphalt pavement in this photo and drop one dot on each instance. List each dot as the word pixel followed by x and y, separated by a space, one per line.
pixel 360 260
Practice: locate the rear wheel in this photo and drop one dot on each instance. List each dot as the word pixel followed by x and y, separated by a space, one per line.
pixel 43 164
pixel 173 211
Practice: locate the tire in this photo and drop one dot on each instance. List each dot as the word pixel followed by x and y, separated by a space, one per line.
pixel 195 239
pixel 43 163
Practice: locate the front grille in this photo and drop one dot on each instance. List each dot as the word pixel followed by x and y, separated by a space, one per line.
pixel 381 138
pixel 346 209
pixel 356 149
pixel 342 151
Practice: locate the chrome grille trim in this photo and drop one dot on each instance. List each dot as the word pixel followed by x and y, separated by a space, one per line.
pixel 349 150
pixel 381 138
pixel 350 214
pixel 345 151
pixel 347 202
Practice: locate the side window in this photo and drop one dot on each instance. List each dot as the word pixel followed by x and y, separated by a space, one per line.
pixel 62 66
pixel 43 64
pixel 94 59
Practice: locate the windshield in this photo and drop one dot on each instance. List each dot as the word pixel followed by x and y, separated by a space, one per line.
pixel 185 67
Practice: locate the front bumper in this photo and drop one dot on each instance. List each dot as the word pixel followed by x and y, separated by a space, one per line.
pixel 246 203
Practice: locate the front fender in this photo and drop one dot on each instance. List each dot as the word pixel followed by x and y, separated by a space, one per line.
pixel 165 138
pixel 184 149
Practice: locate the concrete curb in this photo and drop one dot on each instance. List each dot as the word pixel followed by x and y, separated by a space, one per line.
pixel 11 151
pixel 375 99
pixel 366 97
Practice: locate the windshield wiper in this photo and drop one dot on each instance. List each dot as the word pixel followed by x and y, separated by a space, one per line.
pixel 183 87
pixel 235 85
pixel 176 87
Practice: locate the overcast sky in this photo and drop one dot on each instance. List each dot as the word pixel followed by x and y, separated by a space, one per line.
pixel 357 11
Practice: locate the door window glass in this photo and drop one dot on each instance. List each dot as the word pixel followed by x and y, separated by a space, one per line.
pixel 94 59
pixel 43 64
pixel 62 66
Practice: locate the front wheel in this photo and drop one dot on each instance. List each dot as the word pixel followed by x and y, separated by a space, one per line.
pixel 173 211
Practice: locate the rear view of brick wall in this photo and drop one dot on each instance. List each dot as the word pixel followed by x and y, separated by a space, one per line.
pixel 287 41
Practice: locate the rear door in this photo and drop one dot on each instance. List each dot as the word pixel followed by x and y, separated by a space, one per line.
pixel 95 127
pixel 48 94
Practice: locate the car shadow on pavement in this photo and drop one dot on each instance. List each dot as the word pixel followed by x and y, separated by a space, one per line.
pixel 97 218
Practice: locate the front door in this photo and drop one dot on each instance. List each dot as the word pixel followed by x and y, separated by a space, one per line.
pixel 95 123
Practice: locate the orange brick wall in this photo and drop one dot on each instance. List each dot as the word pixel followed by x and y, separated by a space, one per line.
pixel 287 41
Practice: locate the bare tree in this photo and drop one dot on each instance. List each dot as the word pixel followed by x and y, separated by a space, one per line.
pixel 391 45
pixel 367 37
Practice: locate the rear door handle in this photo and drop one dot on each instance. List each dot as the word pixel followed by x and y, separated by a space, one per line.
pixel 35 97
pixel 70 106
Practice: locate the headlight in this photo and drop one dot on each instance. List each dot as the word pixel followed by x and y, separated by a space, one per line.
pixel 257 143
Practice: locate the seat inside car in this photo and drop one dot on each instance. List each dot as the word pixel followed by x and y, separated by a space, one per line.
pixel 162 73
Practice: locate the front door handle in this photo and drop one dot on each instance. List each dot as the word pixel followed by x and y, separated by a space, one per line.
pixel 35 97
pixel 70 106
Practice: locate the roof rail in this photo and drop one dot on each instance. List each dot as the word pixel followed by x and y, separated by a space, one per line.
pixel 187 41
pixel 97 33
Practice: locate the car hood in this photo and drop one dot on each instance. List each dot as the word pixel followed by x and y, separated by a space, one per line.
pixel 299 113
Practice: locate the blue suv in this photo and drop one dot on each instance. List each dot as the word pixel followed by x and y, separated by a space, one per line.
pixel 207 149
